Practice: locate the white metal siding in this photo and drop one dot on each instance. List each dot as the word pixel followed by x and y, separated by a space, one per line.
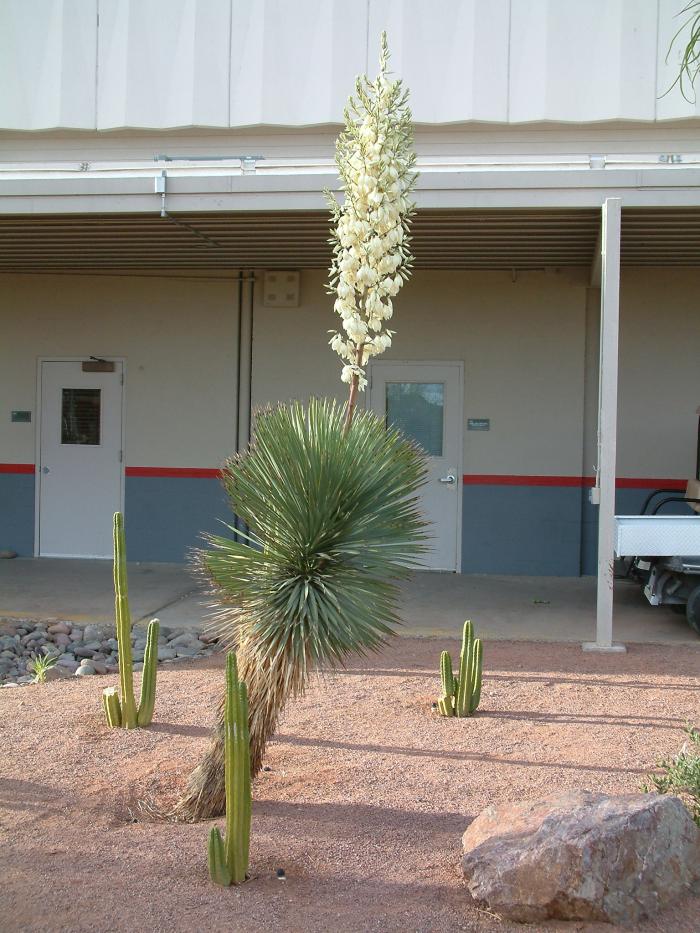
pixel 221 63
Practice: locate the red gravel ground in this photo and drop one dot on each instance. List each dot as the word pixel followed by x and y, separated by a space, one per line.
pixel 365 803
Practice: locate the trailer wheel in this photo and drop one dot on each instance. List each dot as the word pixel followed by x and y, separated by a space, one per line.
pixel 692 609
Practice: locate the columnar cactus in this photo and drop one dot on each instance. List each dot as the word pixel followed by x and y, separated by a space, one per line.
pixel 446 701
pixel 148 677
pixel 228 858
pixel 122 711
pixel 112 707
pixel 123 625
pixel 461 694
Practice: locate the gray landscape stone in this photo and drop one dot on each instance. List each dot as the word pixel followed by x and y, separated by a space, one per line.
pixel 82 651
pixel 582 856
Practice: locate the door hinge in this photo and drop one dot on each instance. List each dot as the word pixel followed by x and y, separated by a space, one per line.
pixel 121 456
pixel 121 379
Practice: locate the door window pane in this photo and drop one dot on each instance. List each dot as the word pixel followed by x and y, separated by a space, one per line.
pixel 80 416
pixel 416 408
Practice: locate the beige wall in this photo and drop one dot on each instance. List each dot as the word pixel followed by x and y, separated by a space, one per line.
pixel 529 364
pixel 659 388
pixel 659 372
pixel 522 344
pixel 178 338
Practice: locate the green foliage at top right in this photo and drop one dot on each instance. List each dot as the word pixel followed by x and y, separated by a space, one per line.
pixel 681 774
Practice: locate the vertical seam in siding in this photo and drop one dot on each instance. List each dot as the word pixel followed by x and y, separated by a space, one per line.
pixel 510 20
pixel 230 61
pixel 656 61
pixel 367 37
pixel 97 61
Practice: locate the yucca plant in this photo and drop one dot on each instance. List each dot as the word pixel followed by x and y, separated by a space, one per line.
pixel 333 523
pixel 329 495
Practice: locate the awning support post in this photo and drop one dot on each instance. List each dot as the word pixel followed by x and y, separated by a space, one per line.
pixel 604 490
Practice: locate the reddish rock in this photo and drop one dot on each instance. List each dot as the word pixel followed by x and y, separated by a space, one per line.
pixel 582 856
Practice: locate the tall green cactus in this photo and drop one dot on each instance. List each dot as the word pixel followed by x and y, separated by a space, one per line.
pixel 123 625
pixel 122 711
pixel 461 694
pixel 228 858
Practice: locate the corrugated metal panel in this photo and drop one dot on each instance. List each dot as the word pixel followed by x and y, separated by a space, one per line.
pixel 295 63
pixel 582 62
pixel 473 239
pixel 452 55
pixel 48 54
pixel 163 64
pixel 661 237
pixel 238 63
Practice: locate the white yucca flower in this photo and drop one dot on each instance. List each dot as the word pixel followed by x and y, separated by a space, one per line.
pixel 370 235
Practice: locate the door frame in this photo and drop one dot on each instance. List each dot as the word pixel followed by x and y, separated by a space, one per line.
pixel 459 366
pixel 37 435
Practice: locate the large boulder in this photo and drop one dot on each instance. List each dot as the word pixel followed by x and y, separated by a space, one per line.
pixel 582 856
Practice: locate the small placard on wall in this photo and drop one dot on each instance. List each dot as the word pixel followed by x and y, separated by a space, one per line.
pixel 478 424
pixel 21 417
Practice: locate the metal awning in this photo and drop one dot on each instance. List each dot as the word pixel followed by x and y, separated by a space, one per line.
pixel 517 239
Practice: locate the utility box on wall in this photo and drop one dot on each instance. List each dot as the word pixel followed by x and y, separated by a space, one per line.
pixel 281 290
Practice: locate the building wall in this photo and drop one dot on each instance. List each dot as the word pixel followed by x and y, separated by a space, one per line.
pixel 218 63
pixel 529 349
pixel 179 340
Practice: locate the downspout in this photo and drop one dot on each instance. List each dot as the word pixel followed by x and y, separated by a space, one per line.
pixel 237 431
pixel 244 369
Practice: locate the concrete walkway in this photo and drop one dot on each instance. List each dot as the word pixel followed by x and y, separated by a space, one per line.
pixel 521 608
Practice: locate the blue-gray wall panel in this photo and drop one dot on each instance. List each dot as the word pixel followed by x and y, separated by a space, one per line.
pixel 532 530
pixel 165 516
pixel 17 513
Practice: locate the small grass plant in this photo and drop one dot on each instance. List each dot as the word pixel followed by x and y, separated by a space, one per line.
pixel 41 665
pixel 680 774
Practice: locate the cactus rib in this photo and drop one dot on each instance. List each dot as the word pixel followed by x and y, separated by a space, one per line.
pixel 149 675
pixel 477 668
pixel 445 703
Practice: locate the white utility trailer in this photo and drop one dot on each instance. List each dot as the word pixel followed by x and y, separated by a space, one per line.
pixel 656 544
pixel 663 551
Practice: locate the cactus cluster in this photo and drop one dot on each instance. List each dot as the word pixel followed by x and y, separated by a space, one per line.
pixel 228 857
pixel 461 693
pixel 122 711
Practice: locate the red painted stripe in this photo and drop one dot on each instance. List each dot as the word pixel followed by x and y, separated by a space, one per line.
pixel 632 483
pixel 469 479
pixel 182 472
pixel 622 482
pixel 487 479
pixel 16 468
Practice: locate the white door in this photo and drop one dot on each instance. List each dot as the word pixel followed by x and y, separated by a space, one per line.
pixel 80 470
pixel 424 400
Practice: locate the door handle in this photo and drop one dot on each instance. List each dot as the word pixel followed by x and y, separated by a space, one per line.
pixel 448 480
pixel 44 469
